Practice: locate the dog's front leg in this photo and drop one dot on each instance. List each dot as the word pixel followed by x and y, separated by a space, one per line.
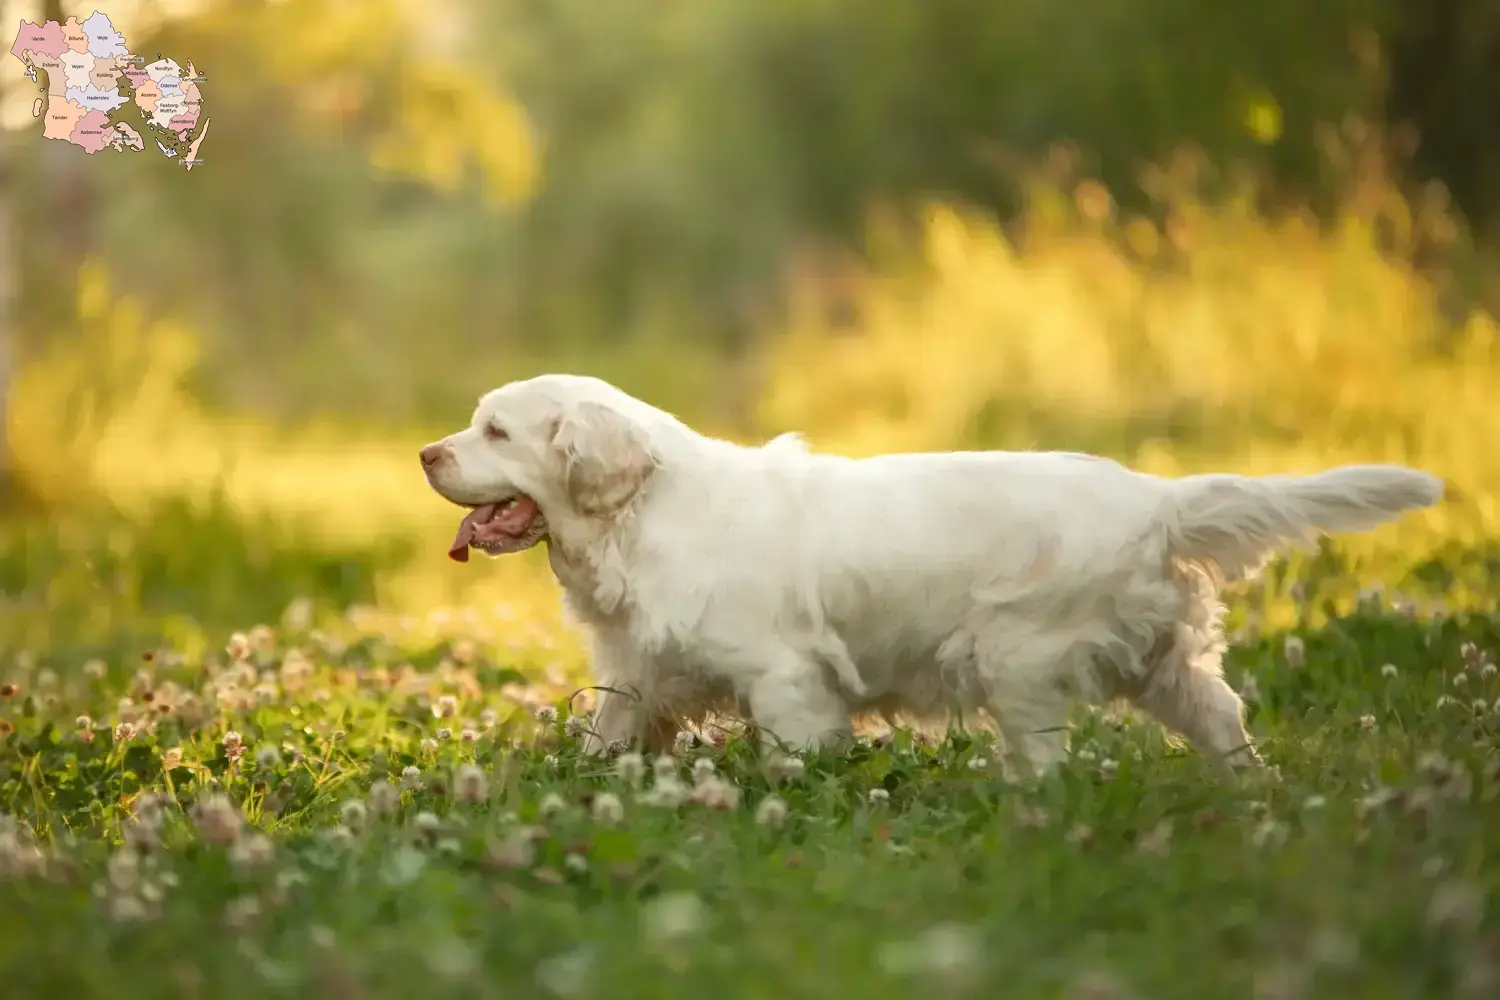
pixel 618 716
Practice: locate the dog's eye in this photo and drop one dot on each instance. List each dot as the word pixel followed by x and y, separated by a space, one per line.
pixel 495 433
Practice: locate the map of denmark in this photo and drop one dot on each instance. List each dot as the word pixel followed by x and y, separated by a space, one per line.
pixel 96 88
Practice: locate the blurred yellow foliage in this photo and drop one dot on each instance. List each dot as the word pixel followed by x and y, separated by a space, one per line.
pixel 1263 119
pixel 444 115
pixel 447 118
pixel 1220 339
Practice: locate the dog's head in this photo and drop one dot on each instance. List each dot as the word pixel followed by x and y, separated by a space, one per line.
pixel 541 456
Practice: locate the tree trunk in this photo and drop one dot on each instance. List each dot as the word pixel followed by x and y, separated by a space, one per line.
pixel 8 257
pixel 37 290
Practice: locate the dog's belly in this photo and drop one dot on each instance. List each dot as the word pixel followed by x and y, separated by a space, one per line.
pixel 920 672
pixel 684 683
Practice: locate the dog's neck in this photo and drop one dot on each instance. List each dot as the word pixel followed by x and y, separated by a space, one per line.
pixel 591 568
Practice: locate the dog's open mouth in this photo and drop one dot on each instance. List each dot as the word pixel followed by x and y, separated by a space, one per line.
pixel 512 525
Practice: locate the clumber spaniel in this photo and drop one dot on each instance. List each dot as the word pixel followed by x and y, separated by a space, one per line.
pixel 799 589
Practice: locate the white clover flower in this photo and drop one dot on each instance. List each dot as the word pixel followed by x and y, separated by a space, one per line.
pixel 353 814
pixel 631 769
pixel 879 795
pixel 238 647
pixel 1268 833
pixel 667 793
pixel 566 975
pixel 551 804
pixel 1333 948
pixel 546 715
pixel 516 851
pixel 672 917
pixel 949 952
pixel 786 768
pixel 1158 839
pixel 123 869
pixel 1433 763
pixel 252 852
pixel 217 818
pixel 608 808
pixel 702 768
pixel 471 784
pixel 714 792
pixel 771 812
pixel 384 798
pixel 1081 834
pixel 411 776
pixel 1250 689
pixel 338 835
pixel 576 726
pixel 1456 905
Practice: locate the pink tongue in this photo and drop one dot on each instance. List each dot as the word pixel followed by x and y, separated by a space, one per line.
pixel 459 550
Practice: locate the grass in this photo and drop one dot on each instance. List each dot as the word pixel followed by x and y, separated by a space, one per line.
pixel 333 812
pixel 147 852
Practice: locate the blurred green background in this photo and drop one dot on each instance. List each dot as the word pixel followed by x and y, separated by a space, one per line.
pixel 1255 236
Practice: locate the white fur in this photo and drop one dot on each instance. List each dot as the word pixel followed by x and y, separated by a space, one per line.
pixel 802 588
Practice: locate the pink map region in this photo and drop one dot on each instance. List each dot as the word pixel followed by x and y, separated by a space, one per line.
pixel 93 131
pixel 46 39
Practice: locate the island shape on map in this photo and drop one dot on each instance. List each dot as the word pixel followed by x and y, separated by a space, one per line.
pixel 101 95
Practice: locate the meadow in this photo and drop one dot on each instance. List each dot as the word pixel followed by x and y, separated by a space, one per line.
pixel 258 738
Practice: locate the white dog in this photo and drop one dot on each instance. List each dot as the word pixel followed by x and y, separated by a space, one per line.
pixel 799 589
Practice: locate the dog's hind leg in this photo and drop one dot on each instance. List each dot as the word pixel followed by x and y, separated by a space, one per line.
pixel 1033 719
pixel 1024 673
pixel 1183 686
pixel 1186 693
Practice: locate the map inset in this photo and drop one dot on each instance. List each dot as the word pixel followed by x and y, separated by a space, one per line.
pixel 100 95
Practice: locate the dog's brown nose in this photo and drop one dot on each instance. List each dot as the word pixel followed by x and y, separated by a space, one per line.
pixel 431 454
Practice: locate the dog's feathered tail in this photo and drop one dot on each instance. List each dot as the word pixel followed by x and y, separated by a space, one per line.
pixel 1232 524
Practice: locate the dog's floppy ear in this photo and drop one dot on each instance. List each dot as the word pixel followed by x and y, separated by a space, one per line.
pixel 606 458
